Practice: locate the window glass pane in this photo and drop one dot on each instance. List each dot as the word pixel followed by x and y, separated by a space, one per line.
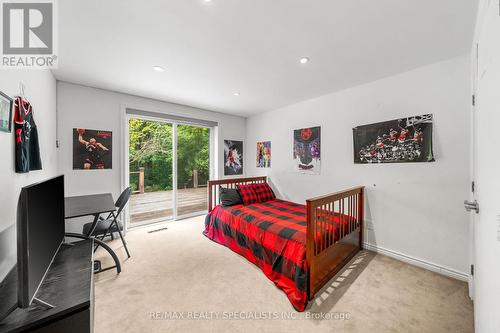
pixel 150 162
pixel 193 151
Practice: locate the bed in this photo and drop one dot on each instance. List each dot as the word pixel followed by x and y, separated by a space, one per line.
pixel 298 247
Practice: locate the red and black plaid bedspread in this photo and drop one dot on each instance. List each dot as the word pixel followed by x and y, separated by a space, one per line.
pixel 272 235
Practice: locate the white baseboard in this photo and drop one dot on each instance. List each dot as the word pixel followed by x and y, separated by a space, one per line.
pixel 418 262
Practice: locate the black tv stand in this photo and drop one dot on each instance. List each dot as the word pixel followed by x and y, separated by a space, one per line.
pixel 67 293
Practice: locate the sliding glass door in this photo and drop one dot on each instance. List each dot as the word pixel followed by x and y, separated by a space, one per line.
pixel 168 169
pixel 193 157
pixel 151 171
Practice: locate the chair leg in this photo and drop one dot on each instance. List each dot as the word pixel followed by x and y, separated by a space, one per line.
pixel 109 230
pixel 121 236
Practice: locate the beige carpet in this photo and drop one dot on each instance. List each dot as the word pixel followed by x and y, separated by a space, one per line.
pixel 179 281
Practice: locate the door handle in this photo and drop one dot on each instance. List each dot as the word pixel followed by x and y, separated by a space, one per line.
pixel 471 206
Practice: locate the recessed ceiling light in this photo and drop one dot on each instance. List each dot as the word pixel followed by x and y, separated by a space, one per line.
pixel 236 94
pixel 304 60
pixel 158 68
pixel 207 0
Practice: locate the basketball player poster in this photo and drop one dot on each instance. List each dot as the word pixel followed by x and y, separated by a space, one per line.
pixel 233 157
pixel 92 149
pixel 307 150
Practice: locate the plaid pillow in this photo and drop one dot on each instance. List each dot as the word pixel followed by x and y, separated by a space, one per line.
pixel 256 193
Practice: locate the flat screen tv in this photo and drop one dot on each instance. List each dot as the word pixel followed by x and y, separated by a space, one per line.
pixel 40 233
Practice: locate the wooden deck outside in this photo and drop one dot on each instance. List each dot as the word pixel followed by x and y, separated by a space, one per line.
pixel 158 206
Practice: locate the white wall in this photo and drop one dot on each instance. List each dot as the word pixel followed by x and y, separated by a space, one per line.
pixel 486 170
pixel 84 107
pixel 416 208
pixel 41 92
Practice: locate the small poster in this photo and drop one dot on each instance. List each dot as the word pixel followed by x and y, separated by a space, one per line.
pixel 92 149
pixel 5 112
pixel 233 157
pixel 264 154
pixel 396 141
pixel 307 150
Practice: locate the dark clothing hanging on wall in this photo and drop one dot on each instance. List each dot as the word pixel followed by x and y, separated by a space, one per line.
pixel 27 147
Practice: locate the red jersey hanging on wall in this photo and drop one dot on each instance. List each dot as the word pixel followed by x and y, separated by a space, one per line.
pixel 27 148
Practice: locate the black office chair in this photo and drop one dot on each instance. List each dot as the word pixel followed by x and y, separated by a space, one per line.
pixel 111 223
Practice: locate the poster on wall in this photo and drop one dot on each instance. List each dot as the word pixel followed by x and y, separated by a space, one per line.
pixel 5 112
pixel 307 150
pixel 263 154
pixel 233 157
pixel 92 149
pixel 396 141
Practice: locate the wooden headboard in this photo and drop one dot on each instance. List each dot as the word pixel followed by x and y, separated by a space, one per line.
pixel 213 187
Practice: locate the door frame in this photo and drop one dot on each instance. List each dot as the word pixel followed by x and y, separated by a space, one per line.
pixel 125 168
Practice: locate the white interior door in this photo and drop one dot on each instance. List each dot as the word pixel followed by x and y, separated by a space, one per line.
pixel 473 198
pixel 486 166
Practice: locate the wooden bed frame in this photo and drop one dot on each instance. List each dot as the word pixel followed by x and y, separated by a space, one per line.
pixel 325 257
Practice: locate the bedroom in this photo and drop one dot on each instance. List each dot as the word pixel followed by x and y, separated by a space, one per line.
pixel 314 99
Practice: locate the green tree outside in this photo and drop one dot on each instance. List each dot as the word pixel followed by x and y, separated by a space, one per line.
pixel 151 147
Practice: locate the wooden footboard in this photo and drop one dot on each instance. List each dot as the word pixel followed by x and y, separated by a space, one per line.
pixel 327 254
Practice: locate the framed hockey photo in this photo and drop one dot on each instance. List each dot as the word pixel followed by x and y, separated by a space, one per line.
pixel 396 141
pixel 5 113
pixel 92 149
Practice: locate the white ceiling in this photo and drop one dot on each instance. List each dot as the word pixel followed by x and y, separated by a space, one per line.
pixel 211 50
